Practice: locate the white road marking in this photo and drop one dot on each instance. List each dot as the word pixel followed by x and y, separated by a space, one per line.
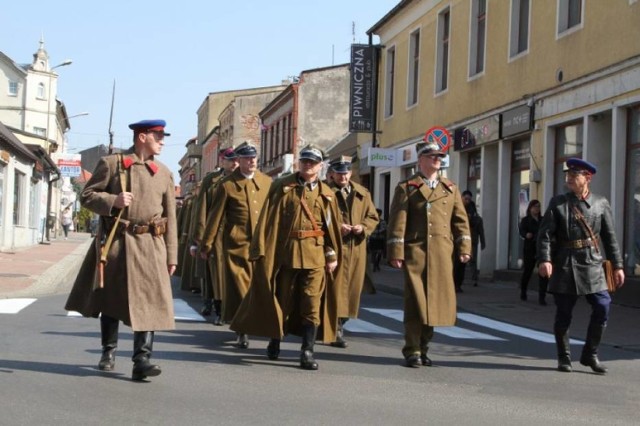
pixel 360 326
pixel 511 329
pixel 181 309
pixel 184 312
pixel 13 306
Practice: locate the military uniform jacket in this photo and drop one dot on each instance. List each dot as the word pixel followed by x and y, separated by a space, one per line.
pixel 355 209
pixel 137 288
pixel 577 270
pixel 203 204
pixel 424 227
pixel 260 313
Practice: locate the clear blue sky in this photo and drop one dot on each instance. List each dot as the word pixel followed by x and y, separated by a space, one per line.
pixel 166 56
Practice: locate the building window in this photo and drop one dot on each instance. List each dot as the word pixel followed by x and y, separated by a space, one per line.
pixel 389 82
pixel 569 14
pixel 290 134
pixel 632 189
pixel 477 37
pixel 414 68
pixel 13 88
pixel 442 61
pixel 40 131
pixel 40 93
pixel 18 197
pixel 519 37
pixel 568 144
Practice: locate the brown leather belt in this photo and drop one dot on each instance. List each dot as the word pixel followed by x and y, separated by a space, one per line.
pixel 155 229
pixel 577 244
pixel 306 234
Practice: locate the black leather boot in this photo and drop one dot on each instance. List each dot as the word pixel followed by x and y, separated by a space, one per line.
pixel 590 350
pixel 109 334
pixel 243 341
pixel 564 349
pixel 142 350
pixel 217 309
pixel 340 342
pixel 207 308
pixel 273 349
pixel 308 340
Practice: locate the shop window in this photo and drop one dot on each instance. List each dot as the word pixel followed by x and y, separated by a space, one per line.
pixel 473 175
pixel 519 37
pixel 389 82
pixel 478 37
pixel 414 68
pixel 18 197
pixel 568 144
pixel 632 189
pixel 519 199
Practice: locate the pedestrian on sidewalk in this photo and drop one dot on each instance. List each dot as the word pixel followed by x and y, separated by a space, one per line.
pixel 427 221
pixel 477 237
pixel 571 231
pixel 134 195
pixel 66 219
pixel 377 242
pixel 529 231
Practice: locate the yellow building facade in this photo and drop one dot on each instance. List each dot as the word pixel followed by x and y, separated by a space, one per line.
pixel 521 85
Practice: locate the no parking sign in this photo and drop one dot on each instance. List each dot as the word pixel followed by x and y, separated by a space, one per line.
pixel 438 135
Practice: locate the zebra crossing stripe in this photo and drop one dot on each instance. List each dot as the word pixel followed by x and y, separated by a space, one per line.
pixel 360 326
pixel 181 312
pixel 13 306
pixel 454 332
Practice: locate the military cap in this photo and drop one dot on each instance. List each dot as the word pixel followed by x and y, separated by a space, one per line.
pixel 429 148
pixel 580 165
pixel 228 154
pixel 341 164
pixel 311 152
pixel 246 149
pixel 149 126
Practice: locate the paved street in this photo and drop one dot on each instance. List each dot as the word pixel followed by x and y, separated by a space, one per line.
pixel 485 372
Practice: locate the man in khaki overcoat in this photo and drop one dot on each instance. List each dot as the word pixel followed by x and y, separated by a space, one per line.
pixel 134 194
pixel 238 201
pixel 358 218
pixel 427 220
pixel 296 243
pixel 213 291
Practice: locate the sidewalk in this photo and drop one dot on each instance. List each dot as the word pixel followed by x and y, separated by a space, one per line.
pixel 42 269
pixel 50 269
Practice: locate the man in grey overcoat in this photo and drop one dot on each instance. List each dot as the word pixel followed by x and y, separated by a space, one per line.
pixel 134 193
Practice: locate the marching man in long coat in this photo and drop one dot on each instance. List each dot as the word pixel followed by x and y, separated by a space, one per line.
pixel 237 203
pixel 134 193
pixel 296 243
pixel 358 220
pixel 427 220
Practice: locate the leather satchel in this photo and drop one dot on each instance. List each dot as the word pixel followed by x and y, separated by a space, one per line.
pixel 607 266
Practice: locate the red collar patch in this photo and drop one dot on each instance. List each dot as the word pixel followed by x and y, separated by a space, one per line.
pixel 153 167
pixel 127 162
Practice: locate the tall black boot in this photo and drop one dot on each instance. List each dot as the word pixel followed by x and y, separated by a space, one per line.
pixel 142 350
pixel 217 309
pixel 207 307
pixel 590 350
pixel 308 340
pixel 340 342
pixel 564 349
pixel 273 349
pixel 542 290
pixel 109 334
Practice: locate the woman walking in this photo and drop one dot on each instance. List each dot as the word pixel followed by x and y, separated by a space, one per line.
pixel 529 231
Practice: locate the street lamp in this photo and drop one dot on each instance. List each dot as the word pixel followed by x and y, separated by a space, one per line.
pixel 46 233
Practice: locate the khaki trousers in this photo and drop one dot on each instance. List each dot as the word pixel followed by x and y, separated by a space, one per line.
pixel 301 290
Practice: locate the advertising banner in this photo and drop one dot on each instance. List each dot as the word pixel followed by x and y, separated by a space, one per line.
pixel 362 88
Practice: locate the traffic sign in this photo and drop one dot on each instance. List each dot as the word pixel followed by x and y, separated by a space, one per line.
pixel 438 135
